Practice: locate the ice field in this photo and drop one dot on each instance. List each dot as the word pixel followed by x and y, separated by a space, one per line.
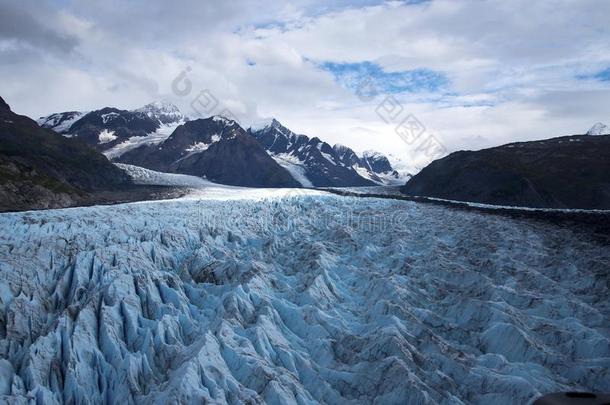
pixel 297 297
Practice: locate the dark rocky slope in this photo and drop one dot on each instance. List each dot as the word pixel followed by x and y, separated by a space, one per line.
pixel 565 172
pixel 42 169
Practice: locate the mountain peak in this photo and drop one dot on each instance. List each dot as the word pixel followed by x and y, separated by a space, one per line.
pixel 265 124
pixel 222 119
pixel 599 129
pixel 372 154
pixel 163 106
pixel 3 105
pixel 164 111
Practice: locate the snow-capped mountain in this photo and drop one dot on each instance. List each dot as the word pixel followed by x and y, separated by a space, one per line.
pixel 377 167
pixel 313 162
pixel 216 148
pixel 115 131
pixel 599 129
pixel 139 137
pixel 376 162
pixel 165 112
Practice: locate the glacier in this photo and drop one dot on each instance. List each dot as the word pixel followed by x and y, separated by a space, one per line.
pixel 297 297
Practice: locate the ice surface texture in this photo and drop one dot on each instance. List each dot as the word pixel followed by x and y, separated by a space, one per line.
pixel 306 299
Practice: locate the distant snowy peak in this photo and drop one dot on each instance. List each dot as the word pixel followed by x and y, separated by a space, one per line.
pixel 265 123
pixel 165 112
pixel 599 129
pixel 377 167
pixel 224 120
pixel 372 154
pixel 309 160
pixel 376 162
pixel 276 128
pixel 159 106
pixel 60 122
pixel 372 161
pixel 321 164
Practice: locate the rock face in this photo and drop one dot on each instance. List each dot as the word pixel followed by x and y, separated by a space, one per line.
pixel 40 168
pixel 215 148
pixel 565 172
pixel 315 163
pixel 190 302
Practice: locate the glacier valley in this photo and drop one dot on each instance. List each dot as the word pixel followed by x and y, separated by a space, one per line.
pixel 297 298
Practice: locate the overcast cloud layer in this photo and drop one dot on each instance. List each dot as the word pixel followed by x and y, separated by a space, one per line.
pixel 474 73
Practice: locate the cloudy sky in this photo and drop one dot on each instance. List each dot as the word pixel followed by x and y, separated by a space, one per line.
pixel 472 73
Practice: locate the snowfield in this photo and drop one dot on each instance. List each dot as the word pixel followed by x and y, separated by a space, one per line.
pixel 154 138
pixel 201 189
pixel 141 175
pixel 302 299
pixel 295 167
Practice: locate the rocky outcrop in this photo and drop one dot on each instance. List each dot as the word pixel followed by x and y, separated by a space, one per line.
pixel 42 169
pixel 565 172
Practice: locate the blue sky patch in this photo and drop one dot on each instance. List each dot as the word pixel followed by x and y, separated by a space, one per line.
pixel 370 79
pixel 602 76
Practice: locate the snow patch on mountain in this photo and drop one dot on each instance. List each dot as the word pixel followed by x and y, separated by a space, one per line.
pixel 327 157
pixel 599 129
pixel 61 122
pixel 383 179
pixel 154 138
pixel 261 124
pixel 298 300
pixel 106 136
pixel 164 111
pixel 372 154
pixel 202 146
pixel 222 119
pixel 140 175
pixel 295 167
pixel 106 118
